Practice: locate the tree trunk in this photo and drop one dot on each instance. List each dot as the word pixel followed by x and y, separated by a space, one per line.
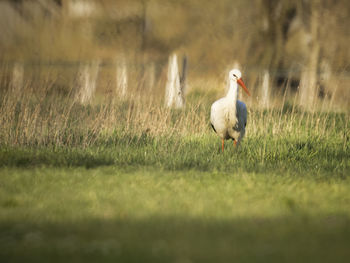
pixel 314 54
pixel 308 83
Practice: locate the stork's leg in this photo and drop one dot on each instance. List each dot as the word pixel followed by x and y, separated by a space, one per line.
pixel 222 145
pixel 234 142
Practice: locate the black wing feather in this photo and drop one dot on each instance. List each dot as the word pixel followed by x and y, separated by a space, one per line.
pixel 213 127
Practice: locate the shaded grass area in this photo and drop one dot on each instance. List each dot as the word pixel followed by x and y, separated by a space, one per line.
pixel 184 240
pixel 112 214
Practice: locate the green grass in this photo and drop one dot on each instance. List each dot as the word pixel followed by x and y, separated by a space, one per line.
pixel 258 154
pixel 135 182
pixel 111 214
pixel 177 199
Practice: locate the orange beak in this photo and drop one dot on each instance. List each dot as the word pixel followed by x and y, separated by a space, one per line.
pixel 241 83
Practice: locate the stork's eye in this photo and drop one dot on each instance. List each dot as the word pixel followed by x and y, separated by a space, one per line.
pixel 235 75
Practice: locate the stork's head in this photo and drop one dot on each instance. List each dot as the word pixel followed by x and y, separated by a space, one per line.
pixel 236 75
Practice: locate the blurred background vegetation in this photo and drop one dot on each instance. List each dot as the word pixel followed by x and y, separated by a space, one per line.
pixel 287 38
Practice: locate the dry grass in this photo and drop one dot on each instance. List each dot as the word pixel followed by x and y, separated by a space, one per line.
pixel 44 111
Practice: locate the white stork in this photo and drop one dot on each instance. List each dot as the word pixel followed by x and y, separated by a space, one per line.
pixel 228 115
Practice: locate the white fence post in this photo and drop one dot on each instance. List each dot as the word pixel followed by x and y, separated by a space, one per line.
pixel 122 78
pixel 87 78
pixel 173 93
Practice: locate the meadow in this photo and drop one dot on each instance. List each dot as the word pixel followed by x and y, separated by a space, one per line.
pixel 95 168
pixel 133 181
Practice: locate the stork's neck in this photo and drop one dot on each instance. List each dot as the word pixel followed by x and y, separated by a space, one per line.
pixel 232 93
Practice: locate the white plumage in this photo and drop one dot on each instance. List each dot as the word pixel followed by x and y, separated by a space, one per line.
pixel 228 115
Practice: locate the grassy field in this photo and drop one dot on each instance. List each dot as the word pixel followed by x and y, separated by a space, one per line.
pixel 94 167
pixel 143 214
pixel 133 181
pixel 136 196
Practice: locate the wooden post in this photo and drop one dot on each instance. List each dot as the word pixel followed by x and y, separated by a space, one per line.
pixel 183 78
pixel 121 78
pixel 171 78
pixel 308 82
pixel 314 54
pixel 87 78
pixel 151 71
pixel 265 90
pixel 17 79
pixel 173 93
